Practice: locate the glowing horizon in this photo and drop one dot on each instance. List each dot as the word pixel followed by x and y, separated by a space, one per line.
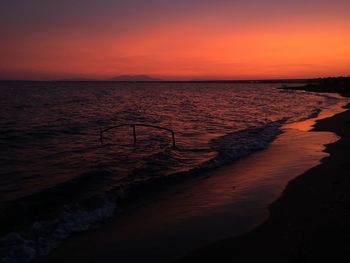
pixel 187 40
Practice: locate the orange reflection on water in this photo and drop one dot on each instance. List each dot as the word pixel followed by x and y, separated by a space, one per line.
pixel 308 124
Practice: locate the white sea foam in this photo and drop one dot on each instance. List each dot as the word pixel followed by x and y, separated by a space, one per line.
pixel 44 236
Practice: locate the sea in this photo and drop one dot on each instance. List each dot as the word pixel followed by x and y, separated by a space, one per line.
pixel 72 152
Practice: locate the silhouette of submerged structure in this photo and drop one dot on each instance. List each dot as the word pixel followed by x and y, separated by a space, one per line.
pixel 134 125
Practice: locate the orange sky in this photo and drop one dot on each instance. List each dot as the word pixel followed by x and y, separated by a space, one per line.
pixel 206 44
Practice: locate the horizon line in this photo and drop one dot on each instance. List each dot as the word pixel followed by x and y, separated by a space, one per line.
pixel 155 80
pixel 170 80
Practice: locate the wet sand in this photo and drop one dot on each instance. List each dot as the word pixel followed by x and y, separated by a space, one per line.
pixel 310 222
pixel 228 203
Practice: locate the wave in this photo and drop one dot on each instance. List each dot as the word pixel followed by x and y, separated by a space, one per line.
pixel 43 236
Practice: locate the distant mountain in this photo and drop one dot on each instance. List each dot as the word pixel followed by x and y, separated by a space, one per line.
pixel 134 78
pixel 75 79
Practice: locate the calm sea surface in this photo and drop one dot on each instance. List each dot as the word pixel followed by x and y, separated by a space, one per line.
pixel 52 159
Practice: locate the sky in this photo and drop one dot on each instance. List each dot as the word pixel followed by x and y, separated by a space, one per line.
pixel 182 39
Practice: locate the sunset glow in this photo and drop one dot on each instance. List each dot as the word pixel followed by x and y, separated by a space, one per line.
pixel 182 40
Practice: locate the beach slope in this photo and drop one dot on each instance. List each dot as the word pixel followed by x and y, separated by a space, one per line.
pixel 309 222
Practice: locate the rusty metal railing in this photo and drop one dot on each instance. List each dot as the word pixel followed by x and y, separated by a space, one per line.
pixel 134 125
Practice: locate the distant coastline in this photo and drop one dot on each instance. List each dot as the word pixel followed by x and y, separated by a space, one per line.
pixel 330 85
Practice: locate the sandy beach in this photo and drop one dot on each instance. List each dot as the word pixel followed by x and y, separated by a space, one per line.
pixel 309 222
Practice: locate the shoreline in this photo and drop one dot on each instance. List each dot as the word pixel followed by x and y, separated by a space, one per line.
pixel 309 221
pixel 222 181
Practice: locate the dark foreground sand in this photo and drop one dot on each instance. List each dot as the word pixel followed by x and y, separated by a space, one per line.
pixel 310 222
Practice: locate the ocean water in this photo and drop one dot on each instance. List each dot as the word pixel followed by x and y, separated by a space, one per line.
pixel 57 178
